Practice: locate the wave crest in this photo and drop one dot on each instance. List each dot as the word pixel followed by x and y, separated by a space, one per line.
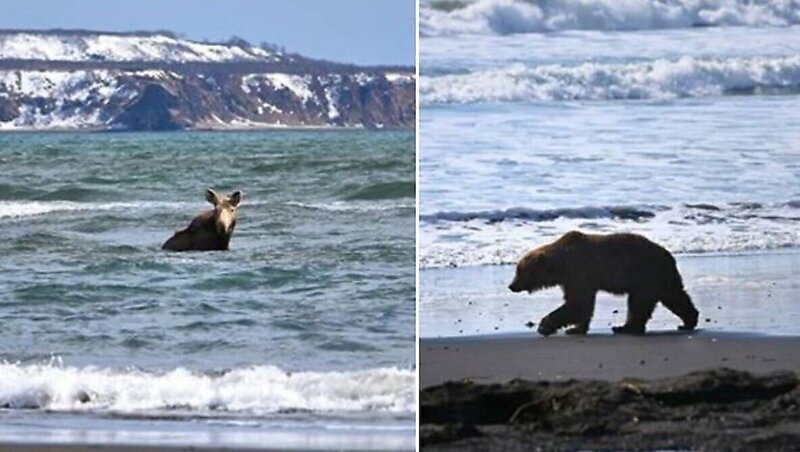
pixel 659 79
pixel 383 190
pixel 499 237
pixel 521 213
pixel 19 209
pixel 519 16
pixel 257 390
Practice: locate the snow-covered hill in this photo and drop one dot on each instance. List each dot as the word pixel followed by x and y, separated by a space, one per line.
pixel 95 46
pixel 138 81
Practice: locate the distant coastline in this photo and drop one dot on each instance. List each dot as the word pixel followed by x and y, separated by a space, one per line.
pixel 63 80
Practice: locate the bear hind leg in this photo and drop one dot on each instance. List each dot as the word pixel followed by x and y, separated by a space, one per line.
pixel 680 304
pixel 640 309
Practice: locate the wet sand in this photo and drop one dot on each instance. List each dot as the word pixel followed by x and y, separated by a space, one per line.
pixel 753 293
pixel 667 391
pixel 109 448
pixel 492 359
pixel 11 447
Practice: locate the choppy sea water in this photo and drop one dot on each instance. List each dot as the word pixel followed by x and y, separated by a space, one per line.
pixel 674 119
pixel 305 325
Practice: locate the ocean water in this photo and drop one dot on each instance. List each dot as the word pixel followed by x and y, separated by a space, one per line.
pixel 674 119
pixel 303 330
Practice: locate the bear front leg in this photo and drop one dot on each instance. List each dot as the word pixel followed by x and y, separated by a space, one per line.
pixel 553 321
pixel 577 310
pixel 640 309
pixel 582 302
pixel 584 310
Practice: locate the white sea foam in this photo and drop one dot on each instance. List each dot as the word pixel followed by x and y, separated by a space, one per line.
pixel 352 206
pixel 19 209
pixel 521 16
pixel 500 237
pixel 22 209
pixel 257 390
pixel 659 79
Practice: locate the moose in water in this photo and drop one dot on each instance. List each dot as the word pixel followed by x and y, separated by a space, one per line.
pixel 210 230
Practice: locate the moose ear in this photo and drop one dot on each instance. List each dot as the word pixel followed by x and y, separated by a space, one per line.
pixel 236 198
pixel 212 197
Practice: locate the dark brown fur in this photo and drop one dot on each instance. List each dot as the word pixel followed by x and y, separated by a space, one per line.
pixel 620 264
pixel 210 230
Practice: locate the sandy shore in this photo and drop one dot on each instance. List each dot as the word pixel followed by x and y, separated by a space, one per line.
pixel 602 356
pixel 98 434
pixel 669 391
pixel 12 447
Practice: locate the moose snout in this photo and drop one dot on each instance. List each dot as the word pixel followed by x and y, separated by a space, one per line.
pixel 514 287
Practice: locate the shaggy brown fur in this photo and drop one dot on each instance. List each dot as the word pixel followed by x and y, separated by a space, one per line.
pixel 620 264
pixel 212 229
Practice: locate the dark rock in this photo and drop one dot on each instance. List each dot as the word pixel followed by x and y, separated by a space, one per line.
pixel 719 409
pixel 153 109
pixel 8 108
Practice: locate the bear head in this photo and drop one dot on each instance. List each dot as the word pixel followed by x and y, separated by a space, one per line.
pixel 536 270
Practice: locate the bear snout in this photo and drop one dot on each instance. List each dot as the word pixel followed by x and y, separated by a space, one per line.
pixel 514 287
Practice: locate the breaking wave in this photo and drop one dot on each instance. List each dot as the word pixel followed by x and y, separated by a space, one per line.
pixel 521 213
pixel 452 239
pixel 383 190
pixel 18 209
pixel 658 79
pixel 505 17
pixel 258 390
pixel 349 207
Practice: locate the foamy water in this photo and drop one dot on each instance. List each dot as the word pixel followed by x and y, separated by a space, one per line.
pixel 608 117
pixel 305 325
pixel 674 119
pixel 518 16
pixel 659 79
pixel 501 237
pixel 255 391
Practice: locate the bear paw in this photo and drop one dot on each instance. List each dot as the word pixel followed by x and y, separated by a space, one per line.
pixel 627 329
pixel 689 321
pixel 545 328
pixel 575 330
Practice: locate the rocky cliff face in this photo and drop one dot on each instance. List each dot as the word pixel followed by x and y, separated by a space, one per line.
pixel 55 80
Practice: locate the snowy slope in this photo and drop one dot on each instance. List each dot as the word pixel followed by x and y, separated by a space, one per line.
pixel 78 79
pixel 87 46
pixel 117 99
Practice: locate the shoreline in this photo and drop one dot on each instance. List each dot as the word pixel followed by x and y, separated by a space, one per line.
pixel 748 292
pixel 99 434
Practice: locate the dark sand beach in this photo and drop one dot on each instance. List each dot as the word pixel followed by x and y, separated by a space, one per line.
pixel 665 391
pixel 496 359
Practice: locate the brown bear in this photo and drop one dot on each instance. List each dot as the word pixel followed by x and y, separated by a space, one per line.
pixel 210 230
pixel 620 264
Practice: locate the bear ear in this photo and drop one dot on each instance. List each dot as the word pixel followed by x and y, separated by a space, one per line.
pixel 236 198
pixel 212 197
